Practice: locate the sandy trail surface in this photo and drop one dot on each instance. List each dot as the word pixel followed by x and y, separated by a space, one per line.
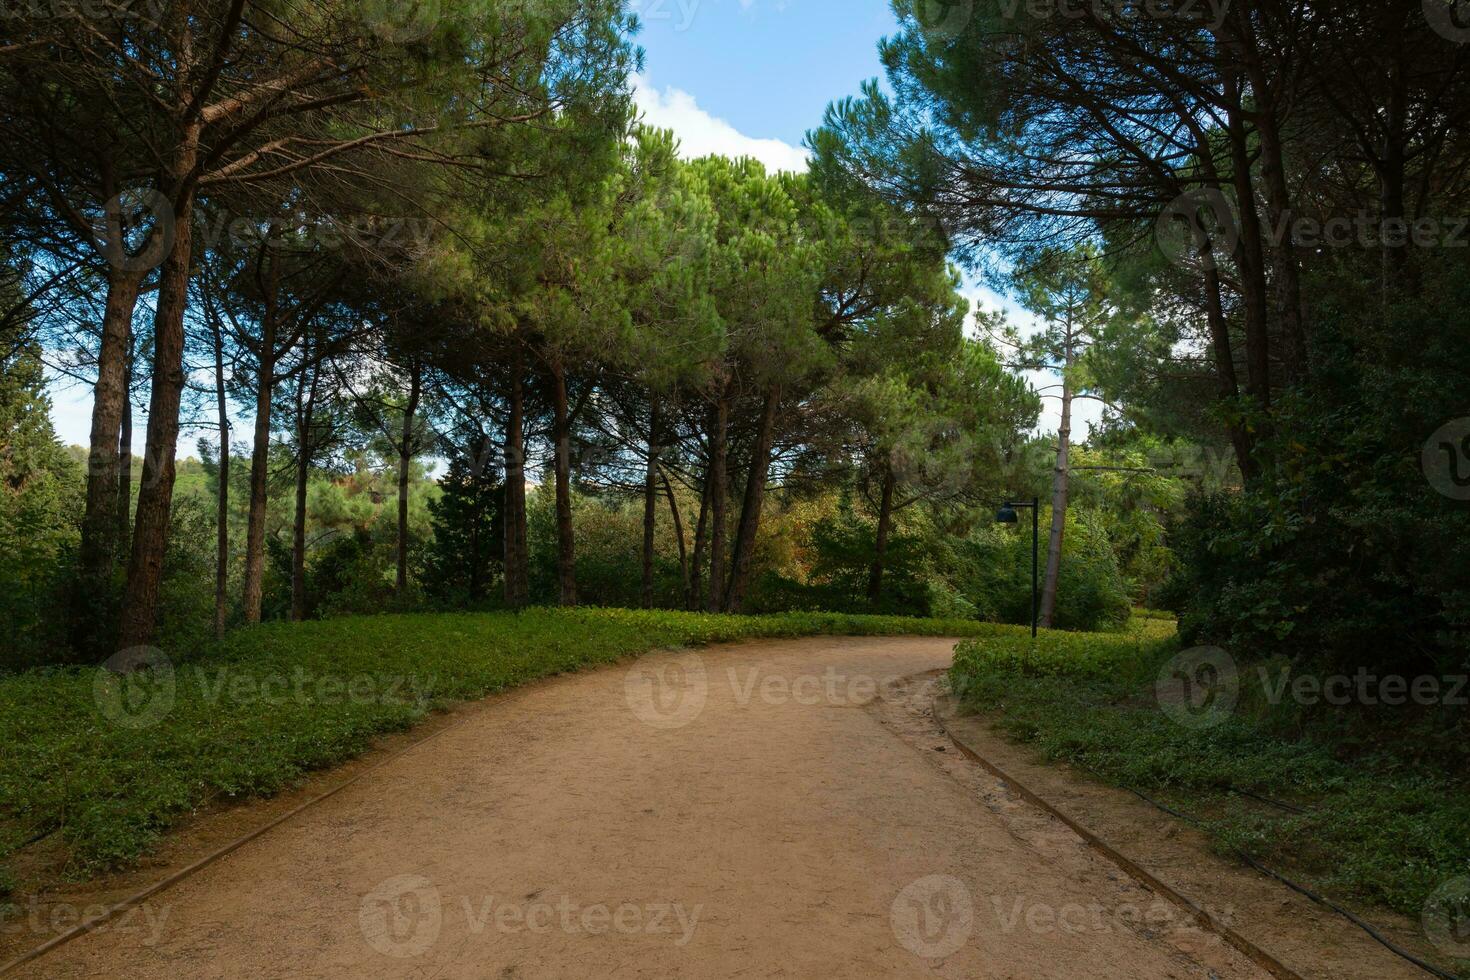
pixel 772 809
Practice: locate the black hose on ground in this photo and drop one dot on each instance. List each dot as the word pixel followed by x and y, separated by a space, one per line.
pixel 1299 889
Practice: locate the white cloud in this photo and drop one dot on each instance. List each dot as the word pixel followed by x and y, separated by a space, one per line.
pixel 701 134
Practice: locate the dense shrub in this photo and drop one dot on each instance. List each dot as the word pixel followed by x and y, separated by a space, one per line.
pixel 994 574
pixel 1344 552
pixel 929 571
pixel 41 490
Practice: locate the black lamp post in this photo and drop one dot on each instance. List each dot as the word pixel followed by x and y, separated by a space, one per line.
pixel 1008 515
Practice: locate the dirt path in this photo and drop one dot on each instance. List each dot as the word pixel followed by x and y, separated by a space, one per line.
pixel 774 809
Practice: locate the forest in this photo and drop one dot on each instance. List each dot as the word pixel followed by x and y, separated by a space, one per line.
pixel 392 309
pixel 450 328
pixel 636 380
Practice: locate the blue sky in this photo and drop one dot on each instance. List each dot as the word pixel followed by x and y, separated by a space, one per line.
pixel 767 68
pixel 738 77
pixel 751 77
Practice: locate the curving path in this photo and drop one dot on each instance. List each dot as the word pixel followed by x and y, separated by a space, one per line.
pixel 773 809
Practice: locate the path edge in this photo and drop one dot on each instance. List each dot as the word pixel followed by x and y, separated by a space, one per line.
pixel 942 707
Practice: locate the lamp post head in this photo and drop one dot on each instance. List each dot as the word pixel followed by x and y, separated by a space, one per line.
pixel 1008 515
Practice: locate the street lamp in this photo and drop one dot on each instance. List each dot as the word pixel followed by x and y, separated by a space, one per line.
pixel 1008 515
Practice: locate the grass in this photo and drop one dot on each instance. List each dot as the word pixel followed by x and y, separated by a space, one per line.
pixel 276 702
pixel 1372 828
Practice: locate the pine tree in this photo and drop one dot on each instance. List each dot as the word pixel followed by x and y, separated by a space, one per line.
pixel 465 554
pixel 40 503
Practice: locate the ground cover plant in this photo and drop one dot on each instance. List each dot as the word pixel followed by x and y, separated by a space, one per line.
pixel 1371 825
pixel 251 716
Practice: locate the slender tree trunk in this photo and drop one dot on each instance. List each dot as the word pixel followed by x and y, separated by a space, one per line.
pixel 885 523
pixel 125 460
pixel 1278 196
pixel 701 539
pixel 99 546
pixel 222 509
pixel 1229 388
pixel 405 457
pixel 719 492
pixel 517 562
pixel 1251 255
pixel 750 509
pixel 476 586
pixel 678 535
pixel 155 498
pixel 566 558
pixel 1060 488
pixel 260 471
pixel 305 447
pixel 650 504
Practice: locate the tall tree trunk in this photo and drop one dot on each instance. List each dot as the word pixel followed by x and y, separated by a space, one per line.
pixel 885 524
pixel 1060 488
pixel 750 509
pixel 678 536
pixel 1278 196
pixel 476 586
pixel 566 558
pixel 260 471
pixel 405 457
pixel 650 504
pixel 1225 375
pixel 125 460
pixel 155 498
pixel 222 508
pixel 99 545
pixel 701 540
pixel 719 492
pixel 1251 256
pixel 305 448
pixel 517 561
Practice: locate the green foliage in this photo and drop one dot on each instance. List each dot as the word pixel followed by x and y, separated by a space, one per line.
pixel 1344 553
pixel 994 573
pixel 464 554
pixel 963 567
pixel 41 491
pixel 1374 827
pixel 1058 654
pixel 275 702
